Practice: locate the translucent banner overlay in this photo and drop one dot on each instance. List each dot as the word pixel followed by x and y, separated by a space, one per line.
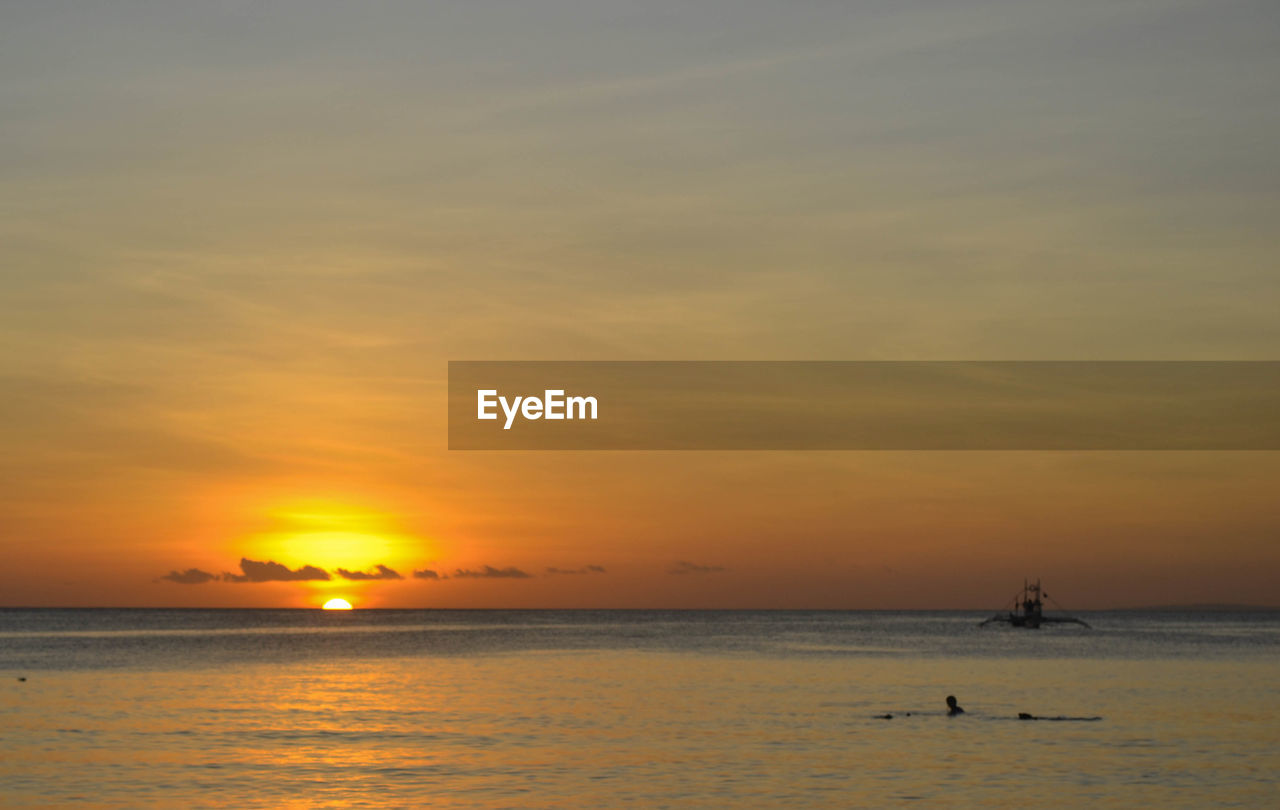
pixel 857 405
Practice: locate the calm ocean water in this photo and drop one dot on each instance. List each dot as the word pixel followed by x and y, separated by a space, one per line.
pixel 486 709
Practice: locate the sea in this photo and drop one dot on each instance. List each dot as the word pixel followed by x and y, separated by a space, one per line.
pixel 654 709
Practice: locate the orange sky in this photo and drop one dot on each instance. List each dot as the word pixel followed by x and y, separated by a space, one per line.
pixel 238 250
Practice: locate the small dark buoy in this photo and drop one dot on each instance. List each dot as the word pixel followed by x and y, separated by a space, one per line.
pixel 21 678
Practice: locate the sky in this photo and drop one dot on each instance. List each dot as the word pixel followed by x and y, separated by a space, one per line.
pixel 240 242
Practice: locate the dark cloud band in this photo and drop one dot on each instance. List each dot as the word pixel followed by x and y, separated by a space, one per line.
pixel 380 572
pixel 272 571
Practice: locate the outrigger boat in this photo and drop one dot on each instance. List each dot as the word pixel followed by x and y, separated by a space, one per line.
pixel 1028 610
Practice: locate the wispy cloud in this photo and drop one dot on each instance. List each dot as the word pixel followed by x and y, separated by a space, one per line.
pixel 381 572
pixel 191 576
pixel 271 571
pixel 586 569
pixel 427 573
pixel 489 572
pixel 686 567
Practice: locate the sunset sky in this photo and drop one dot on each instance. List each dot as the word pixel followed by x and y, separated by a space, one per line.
pixel 240 242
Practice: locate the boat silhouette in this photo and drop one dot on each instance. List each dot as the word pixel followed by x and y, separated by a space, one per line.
pixel 1028 610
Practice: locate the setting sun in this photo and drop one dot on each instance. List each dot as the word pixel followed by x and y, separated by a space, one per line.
pixel 337 604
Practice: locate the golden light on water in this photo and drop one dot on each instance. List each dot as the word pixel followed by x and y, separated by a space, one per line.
pixel 337 604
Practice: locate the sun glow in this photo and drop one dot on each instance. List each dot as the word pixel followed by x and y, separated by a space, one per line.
pixel 330 534
pixel 337 604
pixel 351 549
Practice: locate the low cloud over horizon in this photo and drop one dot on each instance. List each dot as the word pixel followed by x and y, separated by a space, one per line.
pixel 256 571
pixel 272 571
pixel 686 567
pixel 191 576
pixel 380 572
pixel 489 572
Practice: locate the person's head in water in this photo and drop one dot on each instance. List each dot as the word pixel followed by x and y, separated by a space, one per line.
pixel 952 707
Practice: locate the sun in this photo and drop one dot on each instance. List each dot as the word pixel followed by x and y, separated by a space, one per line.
pixel 337 604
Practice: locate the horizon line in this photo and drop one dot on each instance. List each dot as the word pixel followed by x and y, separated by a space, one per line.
pixel 1203 606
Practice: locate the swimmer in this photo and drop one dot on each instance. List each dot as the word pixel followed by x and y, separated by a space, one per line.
pixel 952 707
